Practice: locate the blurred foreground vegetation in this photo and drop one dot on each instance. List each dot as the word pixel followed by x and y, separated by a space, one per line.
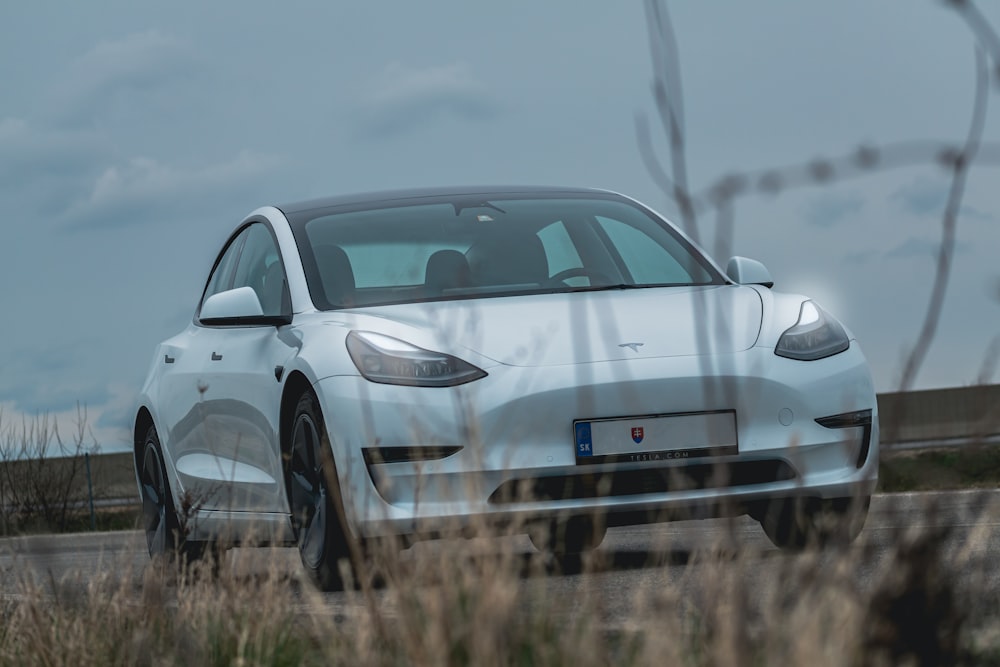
pixel 912 597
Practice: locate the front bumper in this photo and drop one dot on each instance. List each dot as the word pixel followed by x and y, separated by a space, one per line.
pixel 425 461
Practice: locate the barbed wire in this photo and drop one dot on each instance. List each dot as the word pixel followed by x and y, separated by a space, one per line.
pixel 863 161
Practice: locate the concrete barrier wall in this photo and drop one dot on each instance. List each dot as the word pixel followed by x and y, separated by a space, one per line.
pixel 967 413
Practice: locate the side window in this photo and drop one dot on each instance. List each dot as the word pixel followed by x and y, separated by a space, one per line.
pixel 260 268
pixel 649 262
pixel 222 276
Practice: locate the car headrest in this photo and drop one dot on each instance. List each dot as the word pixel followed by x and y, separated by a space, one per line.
pixel 446 269
pixel 336 274
pixel 507 259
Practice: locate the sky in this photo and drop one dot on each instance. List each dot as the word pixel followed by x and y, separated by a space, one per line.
pixel 134 137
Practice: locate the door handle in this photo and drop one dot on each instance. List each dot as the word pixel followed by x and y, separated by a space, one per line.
pixel 216 357
pixel 167 359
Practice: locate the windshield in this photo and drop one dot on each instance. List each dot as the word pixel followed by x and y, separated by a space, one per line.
pixel 440 249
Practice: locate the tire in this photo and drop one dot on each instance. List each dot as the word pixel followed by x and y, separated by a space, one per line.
pixel 317 512
pixel 794 524
pixel 567 537
pixel 166 538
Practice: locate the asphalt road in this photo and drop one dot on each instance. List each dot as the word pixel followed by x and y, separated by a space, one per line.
pixel 632 565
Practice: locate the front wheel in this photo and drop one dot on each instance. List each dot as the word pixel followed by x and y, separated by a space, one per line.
pixel 567 537
pixel 321 531
pixel 794 524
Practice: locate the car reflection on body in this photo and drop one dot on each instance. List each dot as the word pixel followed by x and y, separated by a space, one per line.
pixel 421 363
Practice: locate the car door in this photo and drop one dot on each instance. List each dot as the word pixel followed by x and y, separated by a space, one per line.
pixel 183 380
pixel 238 467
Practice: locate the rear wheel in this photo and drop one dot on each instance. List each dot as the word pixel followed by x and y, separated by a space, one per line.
pixel 321 531
pixel 794 524
pixel 166 534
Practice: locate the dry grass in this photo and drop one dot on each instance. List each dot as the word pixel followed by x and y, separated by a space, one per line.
pixel 913 597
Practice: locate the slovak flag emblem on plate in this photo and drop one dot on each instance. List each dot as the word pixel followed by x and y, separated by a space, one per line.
pixel 637 434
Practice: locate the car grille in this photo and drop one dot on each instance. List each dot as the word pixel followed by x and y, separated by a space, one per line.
pixel 642 481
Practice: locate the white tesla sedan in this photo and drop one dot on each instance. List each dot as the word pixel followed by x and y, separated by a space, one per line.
pixel 423 363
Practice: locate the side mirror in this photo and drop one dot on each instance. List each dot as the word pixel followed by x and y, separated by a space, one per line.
pixel 239 302
pixel 746 271
pixel 238 307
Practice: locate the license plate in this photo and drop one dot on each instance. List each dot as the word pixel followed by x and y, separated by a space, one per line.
pixel 656 437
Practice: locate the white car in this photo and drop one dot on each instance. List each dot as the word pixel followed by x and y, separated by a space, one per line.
pixel 425 363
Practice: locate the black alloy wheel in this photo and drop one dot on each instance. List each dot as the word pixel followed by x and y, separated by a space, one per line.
pixel 157 510
pixel 795 524
pixel 567 537
pixel 166 537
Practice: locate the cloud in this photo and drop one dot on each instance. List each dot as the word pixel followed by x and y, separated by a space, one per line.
pixel 916 247
pixel 117 414
pixel 31 155
pixel 403 98
pixel 860 257
pixel 141 61
pixel 921 197
pixel 118 417
pixel 829 210
pixel 69 176
pixel 51 378
pixel 57 384
pixel 924 197
pixel 51 391
pixel 76 425
pixel 143 190
pixel 22 142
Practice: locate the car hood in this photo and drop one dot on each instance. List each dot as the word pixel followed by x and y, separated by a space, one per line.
pixel 582 327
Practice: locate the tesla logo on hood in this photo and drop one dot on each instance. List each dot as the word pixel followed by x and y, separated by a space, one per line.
pixel 632 346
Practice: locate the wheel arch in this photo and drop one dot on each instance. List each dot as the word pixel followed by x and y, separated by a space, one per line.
pixel 143 420
pixel 296 384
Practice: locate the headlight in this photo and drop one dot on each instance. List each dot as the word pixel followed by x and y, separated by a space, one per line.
pixel 816 335
pixel 392 361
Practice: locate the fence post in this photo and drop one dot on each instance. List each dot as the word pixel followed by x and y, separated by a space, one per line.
pixel 90 491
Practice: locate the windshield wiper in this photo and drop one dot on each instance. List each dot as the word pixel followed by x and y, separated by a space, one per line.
pixel 607 288
pixel 627 286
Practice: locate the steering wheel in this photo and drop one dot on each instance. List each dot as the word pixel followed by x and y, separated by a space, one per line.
pixel 575 272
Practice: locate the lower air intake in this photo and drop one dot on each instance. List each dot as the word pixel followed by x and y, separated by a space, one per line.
pixel 639 482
